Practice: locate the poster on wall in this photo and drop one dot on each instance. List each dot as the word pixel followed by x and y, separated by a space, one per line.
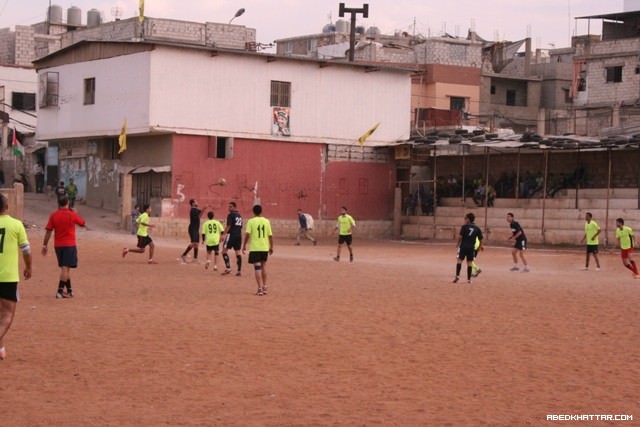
pixel 280 124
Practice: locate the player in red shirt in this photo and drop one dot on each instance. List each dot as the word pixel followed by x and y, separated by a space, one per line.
pixel 63 224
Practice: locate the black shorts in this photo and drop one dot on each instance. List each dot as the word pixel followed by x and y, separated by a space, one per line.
pixel 233 242
pixel 468 253
pixel 67 256
pixel 144 241
pixel 345 238
pixel 255 257
pixel 521 244
pixel 592 249
pixel 215 249
pixel 9 291
pixel 194 234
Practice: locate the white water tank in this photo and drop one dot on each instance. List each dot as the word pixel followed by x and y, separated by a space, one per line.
pixel 74 16
pixel 342 26
pixel 93 18
pixel 54 14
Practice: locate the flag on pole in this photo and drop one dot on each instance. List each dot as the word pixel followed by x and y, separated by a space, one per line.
pixel 141 10
pixel 18 149
pixel 122 139
pixel 367 134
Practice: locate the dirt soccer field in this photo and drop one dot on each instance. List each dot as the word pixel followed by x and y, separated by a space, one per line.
pixel 387 340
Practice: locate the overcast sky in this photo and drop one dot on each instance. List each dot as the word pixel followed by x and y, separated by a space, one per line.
pixel 548 22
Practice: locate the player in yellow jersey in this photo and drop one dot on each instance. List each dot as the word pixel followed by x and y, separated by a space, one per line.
pixel 13 238
pixel 625 236
pixel 345 226
pixel 260 238
pixel 591 232
pixel 211 231
pixel 475 268
pixel 144 240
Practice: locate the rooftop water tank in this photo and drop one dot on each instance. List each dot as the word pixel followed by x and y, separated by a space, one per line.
pixel 93 18
pixel 342 26
pixel 329 28
pixel 373 31
pixel 74 16
pixel 54 14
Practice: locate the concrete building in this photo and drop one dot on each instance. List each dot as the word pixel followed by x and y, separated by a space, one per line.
pixel 607 76
pixel 447 77
pixel 27 43
pixel 18 86
pixel 196 114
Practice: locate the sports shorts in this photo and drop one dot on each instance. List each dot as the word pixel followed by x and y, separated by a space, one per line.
pixel 67 256
pixel 255 257
pixel 144 241
pixel 345 238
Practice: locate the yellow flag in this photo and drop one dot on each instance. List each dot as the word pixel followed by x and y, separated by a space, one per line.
pixel 367 134
pixel 122 139
pixel 141 10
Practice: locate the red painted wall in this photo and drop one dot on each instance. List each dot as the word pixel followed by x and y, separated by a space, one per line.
pixel 290 176
pixel 365 189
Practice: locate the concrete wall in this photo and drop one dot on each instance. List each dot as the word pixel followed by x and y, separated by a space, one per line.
pixel 307 180
pixel 15 199
pixel 556 221
pixel 462 53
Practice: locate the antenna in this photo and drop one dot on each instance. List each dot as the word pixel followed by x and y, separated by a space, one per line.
pixel 116 12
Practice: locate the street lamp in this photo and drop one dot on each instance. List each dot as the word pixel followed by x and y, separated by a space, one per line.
pixel 238 13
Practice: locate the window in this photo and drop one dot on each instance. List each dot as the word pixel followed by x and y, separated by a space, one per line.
pixel 23 101
pixel 614 74
pixel 110 148
pixel 90 91
pixel 493 90
pixel 511 97
pixel 567 96
pixel 280 94
pixel 48 89
pixel 457 104
pixel 220 147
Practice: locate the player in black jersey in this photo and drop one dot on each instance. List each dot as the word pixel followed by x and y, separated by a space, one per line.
pixel 233 238
pixel 469 232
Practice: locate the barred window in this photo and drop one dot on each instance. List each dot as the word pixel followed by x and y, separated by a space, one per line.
pixel 280 94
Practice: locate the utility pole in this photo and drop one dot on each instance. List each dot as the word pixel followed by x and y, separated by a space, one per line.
pixel 364 10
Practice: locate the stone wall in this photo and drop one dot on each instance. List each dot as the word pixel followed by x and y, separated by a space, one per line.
pixel 449 52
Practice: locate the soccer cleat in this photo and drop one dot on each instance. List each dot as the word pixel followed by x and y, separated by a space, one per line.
pixel 455 279
pixel 69 294
pixel 238 274
pixel 336 258
pixel 183 258
pixel 514 268
pixel 60 294
pixel 350 258
pixel 585 269
pixel 525 270
pixel 125 251
pixel 477 273
pixel 215 268
pixel 226 271
pixel 469 281
pixel 152 262
pixel 597 268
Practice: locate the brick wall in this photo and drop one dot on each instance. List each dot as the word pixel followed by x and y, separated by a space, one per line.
pixel 24 45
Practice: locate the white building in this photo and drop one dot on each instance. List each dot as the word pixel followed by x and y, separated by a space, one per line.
pixel 18 86
pixel 196 113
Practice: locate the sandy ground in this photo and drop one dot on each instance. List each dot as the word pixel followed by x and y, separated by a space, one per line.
pixel 385 341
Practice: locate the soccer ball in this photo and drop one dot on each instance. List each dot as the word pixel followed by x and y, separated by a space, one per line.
pixel 222 181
